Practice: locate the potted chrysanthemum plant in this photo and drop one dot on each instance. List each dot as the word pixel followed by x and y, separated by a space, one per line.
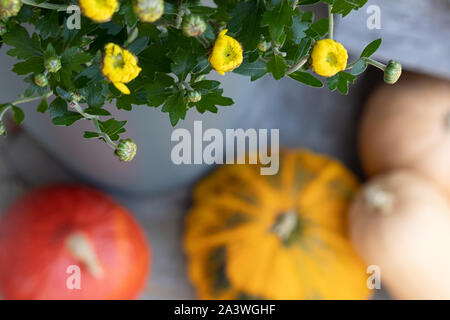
pixel 78 57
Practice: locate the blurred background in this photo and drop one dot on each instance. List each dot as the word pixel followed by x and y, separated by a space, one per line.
pixel 414 32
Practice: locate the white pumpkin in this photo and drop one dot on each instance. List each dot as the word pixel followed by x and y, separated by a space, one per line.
pixel 408 126
pixel 400 222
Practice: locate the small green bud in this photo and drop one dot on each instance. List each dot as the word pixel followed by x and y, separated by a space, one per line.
pixel 52 64
pixel 193 26
pixel 392 72
pixel 40 80
pixel 194 96
pixel 9 8
pixel 263 46
pixel 75 96
pixel 148 10
pixel 126 150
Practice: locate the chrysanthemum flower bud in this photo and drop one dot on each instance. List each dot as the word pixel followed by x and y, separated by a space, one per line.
pixel 263 46
pixel 194 96
pixel 40 80
pixel 193 26
pixel 52 64
pixel 126 150
pixel 9 8
pixel 75 96
pixel 148 10
pixel 392 72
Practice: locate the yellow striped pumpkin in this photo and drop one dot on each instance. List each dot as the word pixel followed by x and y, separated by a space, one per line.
pixel 275 237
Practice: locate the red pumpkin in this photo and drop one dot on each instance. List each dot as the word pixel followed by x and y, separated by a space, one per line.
pixel 53 228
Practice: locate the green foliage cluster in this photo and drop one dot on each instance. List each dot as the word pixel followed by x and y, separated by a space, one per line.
pixel 277 37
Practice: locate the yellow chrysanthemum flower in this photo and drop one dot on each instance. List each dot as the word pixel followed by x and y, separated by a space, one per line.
pixel 329 57
pixel 98 10
pixel 119 66
pixel 226 54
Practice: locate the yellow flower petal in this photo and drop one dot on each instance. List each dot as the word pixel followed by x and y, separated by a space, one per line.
pixel 121 87
pixel 98 10
pixel 329 57
pixel 119 66
pixel 226 54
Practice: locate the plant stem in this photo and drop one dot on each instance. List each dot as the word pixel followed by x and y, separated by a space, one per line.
pixel 45 5
pixel 377 64
pixel 29 99
pixel 294 5
pixel 330 22
pixel 105 137
pixel 297 66
pixel 180 14
pixel 94 119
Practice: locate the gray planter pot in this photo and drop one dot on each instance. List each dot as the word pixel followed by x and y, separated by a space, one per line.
pixel 152 170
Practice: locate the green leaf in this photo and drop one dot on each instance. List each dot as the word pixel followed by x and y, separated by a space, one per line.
pixel 90 135
pixel 298 52
pixel 211 100
pixel 371 48
pixel 245 23
pixel 277 66
pixel 278 18
pixel 18 114
pixel 255 69
pixel 344 7
pixel 31 65
pixel 138 45
pixel 48 25
pixel 318 29
pixel 59 114
pixel 176 107
pixel 43 106
pixel 126 102
pixel 67 119
pixel 301 23
pixel 359 67
pixel 93 95
pixel 340 81
pixel 24 46
pixel 126 9
pixel 306 78
pixel 73 60
pixel 57 108
pixel 158 91
pixel 184 62
pixel 155 59
pixel 63 93
pixel 112 128
pixel 97 111
pixel 206 85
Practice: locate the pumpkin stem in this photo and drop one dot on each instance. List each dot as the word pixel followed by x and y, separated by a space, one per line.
pixel 447 121
pixel 286 225
pixel 81 249
pixel 378 199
